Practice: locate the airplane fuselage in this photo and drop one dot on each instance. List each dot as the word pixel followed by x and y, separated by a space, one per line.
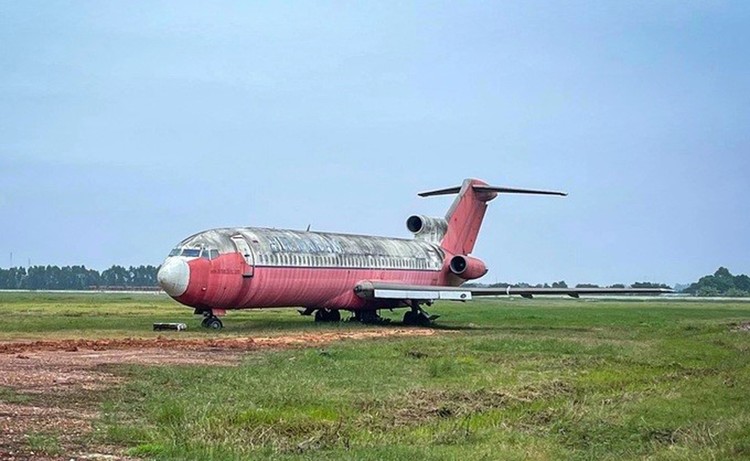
pixel 240 268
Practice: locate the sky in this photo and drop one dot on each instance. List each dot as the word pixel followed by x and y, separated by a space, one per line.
pixel 125 127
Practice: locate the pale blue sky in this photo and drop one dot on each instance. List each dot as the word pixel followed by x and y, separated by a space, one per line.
pixel 127 126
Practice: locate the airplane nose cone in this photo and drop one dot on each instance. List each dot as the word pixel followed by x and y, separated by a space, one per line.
pixel 173 276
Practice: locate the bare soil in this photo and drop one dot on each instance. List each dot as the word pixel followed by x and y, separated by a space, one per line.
pixel 56 381
pixel 742 326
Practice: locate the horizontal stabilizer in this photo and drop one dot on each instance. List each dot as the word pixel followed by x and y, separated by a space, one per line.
pixel 484 188
pixel 511 190
pixel 446 191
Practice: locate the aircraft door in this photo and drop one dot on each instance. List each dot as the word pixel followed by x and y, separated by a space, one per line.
pixel 244 249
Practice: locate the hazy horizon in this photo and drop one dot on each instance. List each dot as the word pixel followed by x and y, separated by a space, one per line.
pixel 123 130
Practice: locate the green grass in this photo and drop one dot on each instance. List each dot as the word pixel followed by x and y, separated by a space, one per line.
pixel 101 315
pixel 503 379
pixel 44 444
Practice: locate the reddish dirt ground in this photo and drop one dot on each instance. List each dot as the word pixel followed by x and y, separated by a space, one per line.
pixel 55 380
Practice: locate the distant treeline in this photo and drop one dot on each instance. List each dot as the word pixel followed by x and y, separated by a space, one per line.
pixel 77 278
pixel 721 283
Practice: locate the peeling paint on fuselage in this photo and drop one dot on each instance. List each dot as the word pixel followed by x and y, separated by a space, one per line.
pixel 281 267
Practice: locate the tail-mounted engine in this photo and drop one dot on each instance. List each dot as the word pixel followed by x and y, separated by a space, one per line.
pixel 427 228
pixel 467 267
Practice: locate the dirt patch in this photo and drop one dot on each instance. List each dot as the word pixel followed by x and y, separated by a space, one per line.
pixel 741 326
pixel 62 378
pixel 75 364
pixel 235 344
pixel 21 423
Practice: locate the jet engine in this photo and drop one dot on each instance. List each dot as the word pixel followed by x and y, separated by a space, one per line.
pixel 427 228
pixel 467 267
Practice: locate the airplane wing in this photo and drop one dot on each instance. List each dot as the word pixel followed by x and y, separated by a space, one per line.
pixel 390 290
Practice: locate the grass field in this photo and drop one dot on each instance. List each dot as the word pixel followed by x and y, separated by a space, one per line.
pixel 501 379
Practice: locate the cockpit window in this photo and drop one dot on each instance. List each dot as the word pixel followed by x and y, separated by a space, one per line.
pixel 195 253
pixel 191 252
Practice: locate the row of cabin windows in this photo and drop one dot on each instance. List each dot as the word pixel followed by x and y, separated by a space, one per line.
pixel 380 262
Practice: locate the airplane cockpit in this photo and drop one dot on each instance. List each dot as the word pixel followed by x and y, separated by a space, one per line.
pixel 202 252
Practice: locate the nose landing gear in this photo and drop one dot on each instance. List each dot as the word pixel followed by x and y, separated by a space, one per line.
pixel 210 321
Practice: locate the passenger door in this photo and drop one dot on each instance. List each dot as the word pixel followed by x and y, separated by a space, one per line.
pixel 244 249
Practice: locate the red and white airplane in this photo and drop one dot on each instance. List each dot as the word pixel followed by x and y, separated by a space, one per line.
pixel 324 273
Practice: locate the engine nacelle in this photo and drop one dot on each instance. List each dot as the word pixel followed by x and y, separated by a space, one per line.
pixel 467 267
pixel 427 228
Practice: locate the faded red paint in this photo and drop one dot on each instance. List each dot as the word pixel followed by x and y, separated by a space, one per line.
pixel 219 284
pixel 465 218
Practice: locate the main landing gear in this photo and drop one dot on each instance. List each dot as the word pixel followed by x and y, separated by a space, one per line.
pixel 327 315
pixel 414 317
pixel 369 317
pixel 417 316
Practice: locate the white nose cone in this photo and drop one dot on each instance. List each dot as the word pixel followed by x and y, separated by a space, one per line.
pixel 173 276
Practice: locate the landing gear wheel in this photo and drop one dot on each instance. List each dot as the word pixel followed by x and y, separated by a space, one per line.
pixel 213 323
pixel 416 318
pixel 327 315
pixel 369 317
pixel 204 322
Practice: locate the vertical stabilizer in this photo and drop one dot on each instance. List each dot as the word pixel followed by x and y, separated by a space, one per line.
pixel 465 217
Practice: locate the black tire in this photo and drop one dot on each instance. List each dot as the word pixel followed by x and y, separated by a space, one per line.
pixel 416 319
pixel 423 320
pixel 204 322
pixel 410 318
pixel 327 315
pixel 370 317
pixel 213 323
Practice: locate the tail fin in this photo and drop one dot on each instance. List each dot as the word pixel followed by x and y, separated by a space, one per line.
pixel 467 212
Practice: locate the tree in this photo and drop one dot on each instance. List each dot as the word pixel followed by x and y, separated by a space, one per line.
pixel 721 283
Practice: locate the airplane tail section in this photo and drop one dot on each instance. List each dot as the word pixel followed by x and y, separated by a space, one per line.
pixel 465 216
